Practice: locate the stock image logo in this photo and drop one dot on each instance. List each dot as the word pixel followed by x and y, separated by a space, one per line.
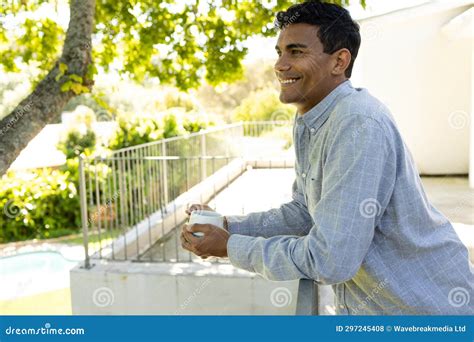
pixel 11 210
pixel 370 208
pixel 458 297
pixel 281 297
pixel 103 297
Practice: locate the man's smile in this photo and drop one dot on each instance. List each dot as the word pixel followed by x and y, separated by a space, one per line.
pixel 288 80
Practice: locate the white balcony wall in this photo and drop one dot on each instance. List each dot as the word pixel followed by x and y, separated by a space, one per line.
pixel 423 71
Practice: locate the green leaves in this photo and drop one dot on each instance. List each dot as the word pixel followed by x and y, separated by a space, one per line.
pixel 178 43
pixel 73 82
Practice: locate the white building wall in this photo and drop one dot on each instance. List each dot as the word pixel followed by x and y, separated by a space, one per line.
pixel 425 78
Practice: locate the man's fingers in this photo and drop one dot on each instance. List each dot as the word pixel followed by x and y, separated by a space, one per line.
pixel 193 207
pixel 187 245
pixel 197 227
pixel 193 240
pixel 197 206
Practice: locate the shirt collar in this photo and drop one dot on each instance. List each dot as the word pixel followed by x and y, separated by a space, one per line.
pixel 310 118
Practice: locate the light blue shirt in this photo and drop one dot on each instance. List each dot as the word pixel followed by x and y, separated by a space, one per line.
pixel 359 219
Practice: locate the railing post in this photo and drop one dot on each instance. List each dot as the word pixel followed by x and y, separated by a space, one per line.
pixel 165 173
pixel 203 160
pixel 84 220
pixel 308 298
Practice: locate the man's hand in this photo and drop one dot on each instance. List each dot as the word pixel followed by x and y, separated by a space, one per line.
pixel 193 207
pixel 197 206
pixel 213 243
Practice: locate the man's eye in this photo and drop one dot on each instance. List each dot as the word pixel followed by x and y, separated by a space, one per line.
pixel 296 52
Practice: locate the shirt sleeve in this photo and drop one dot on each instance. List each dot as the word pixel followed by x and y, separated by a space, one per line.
pixel 358 179
pixel 291 218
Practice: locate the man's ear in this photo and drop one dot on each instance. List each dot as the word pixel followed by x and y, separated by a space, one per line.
pixel 342 59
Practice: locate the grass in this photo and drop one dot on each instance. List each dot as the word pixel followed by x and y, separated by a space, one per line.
pixel 56 302
pixel 92 237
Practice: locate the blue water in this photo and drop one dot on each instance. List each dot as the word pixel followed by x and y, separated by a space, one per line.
pixel 31 273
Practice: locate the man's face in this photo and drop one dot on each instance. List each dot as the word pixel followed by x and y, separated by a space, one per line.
pixel 303 69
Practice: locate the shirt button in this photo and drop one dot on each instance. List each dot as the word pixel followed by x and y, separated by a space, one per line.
pixel 303 175
pixel 312 130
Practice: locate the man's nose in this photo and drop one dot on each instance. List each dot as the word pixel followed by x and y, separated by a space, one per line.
pixel 282 64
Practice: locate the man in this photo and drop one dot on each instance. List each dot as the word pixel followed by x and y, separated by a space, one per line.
pixel 359 219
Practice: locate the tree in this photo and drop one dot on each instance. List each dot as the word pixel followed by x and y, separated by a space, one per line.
pixel 175 41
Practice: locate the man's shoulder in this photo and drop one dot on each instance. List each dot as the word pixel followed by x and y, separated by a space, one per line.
pixel 361 106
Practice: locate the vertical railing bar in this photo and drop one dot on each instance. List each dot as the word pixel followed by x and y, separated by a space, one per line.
pixel 108 204
pixel 130 196
pixel 174 215
pixel 186 173
pixel 214 182
pixel 123 192
pixel 165 175
pixel 136 198
pixel 162 210
pixel 114 211
pixel 153 179
pixel 84 219
pixel 148 164
pixel 203 153
pixel 98 212
pixel 140 194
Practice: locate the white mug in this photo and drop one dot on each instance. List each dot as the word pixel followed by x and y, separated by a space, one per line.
pixel 205 217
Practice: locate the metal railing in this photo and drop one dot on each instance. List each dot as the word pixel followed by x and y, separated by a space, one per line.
pixel 136 191
pixel 132 196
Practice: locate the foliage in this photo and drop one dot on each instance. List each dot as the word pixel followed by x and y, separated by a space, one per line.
pixel 134 130
pixel 77 143
pixel 263 105
pixel 175 41
pixel 39 205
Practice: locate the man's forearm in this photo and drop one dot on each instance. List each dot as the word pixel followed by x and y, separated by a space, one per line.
pixel 289 219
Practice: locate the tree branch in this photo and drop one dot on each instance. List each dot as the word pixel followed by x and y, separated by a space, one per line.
pixel 45 103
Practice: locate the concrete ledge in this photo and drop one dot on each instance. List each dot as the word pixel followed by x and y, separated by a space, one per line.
pixel 126 288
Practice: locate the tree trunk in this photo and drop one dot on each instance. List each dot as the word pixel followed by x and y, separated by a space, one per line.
pixel 45 103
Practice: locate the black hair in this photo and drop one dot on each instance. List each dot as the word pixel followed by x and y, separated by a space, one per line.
pixel 336 31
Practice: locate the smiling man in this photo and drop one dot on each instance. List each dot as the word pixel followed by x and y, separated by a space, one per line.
pixel 359 219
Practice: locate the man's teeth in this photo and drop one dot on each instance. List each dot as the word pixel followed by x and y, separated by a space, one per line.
pixel 291 80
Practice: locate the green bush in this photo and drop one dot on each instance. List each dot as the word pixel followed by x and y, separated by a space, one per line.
pixel 263 105
pixel 45 204
pixel 38 205
pixel 76 143
pixel 135 130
